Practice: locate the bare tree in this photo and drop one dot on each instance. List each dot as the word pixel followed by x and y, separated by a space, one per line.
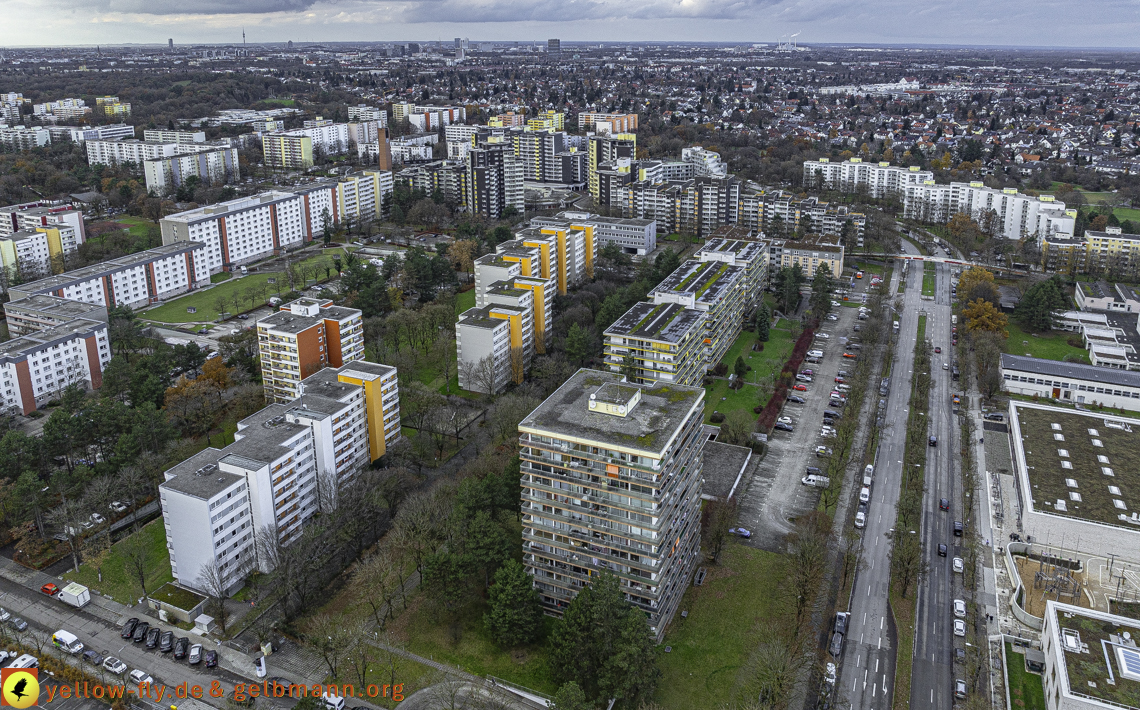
pixel 137 559
pixel 518 363
pixel 69 515
pixel 379 580
pixel 445 355
pixel 331 639
pixel 212 581
pixel 482 375
pixel 721 517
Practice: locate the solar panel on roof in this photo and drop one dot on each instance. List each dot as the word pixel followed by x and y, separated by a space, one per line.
pixel 1129 660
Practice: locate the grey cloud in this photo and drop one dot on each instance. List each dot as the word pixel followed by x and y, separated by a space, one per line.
pixel 199 7
pixel 571 10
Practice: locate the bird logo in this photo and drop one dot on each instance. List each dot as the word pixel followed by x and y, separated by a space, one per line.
pixel 19 687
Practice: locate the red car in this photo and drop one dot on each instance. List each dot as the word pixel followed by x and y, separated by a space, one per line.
pixel 49 589
pixel 954 341
pixel 840 380
pixel 800 388
pixel 937 350
pixel 850 355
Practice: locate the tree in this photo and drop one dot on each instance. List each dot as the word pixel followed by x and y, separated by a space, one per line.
pixel 578 344
pixel 515 617
pixel 763 323
pixel 1035 310
pixel 981 315
pixel 220 303
pixel 721 517
pixel 212 581
pixel 975 283
pixel 137 558
pixel 518 362
pixel 570 697
pixel 807 545
pixel 482 375
pixel 462 254
pixel 604 644
pixel 629 367
pixel 821 288
pixel 740 368
pixel 737 428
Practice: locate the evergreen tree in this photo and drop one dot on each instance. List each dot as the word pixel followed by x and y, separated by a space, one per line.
pixel 1035 310
pixel 515 617
pixel 578 344
pixel 570 697
pixel 740 368
pixel 763 323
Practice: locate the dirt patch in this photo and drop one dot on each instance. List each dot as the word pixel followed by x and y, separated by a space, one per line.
pixel 1035 591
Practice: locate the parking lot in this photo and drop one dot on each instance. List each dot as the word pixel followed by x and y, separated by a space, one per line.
pixel 775 495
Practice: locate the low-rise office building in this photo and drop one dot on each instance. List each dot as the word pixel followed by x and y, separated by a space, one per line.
pixel 658 342
pixel 38 366
pixel 134 280
pixel 1071 382
pixel 301 339
pixel 611 482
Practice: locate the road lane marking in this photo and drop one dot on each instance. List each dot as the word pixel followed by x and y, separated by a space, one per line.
pixel 881 623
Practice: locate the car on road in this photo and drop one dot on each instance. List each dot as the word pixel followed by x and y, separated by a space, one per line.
pixel 785 420
pixel 152 636
pixel 18 624
pixel 166 642
pixel 114 665
pixel 139 677
pixel 129 628
pixel 941 549
pixel 959 566
pixel 957 528
pixel 860 519
pixel 211 659
pixel 181 647
pixel 50 589
pixel 937 349
pixel 799 388
pixel 959 627
pixel 140 631
pixel 195 656
pixel 93 657
pixel 960 689
pixel 933 440
pixel 742 532
pixel 959 608
pixel 784 427
pixel 796 398
pixel 945 366
pixel 943 504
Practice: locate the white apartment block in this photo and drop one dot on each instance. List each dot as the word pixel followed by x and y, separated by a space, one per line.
pixel 82 134
pixel 301 339
pixel 213 166
pixel 706 163
pixel 878 179
pixel 38 366
pixel 116 152
pixel 287 462
pixel 64 108
pixel 751 256
pixel 10 104
pixel 37 252
pixel 634 236
pixel 134 280
pixel 493 346
pixel 42 311
pixel 432 118
pixel 33 215
pixel 180 137
pixel 21 138
pixel 716 289
pixel 364 113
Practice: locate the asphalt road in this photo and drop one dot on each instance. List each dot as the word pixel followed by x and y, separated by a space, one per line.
pixel 868 668
pixel 932 675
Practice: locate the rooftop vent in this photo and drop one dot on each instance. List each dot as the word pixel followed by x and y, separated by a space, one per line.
pixel 206 469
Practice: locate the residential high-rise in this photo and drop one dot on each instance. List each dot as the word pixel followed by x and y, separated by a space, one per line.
pixel 494 344
pixel 554 46
pixel 38 366
pixel 611 482
pixel 494 181
pixel 658 342
pixel 210 165
pixel 618 122
pixel 302 338
pixel 714 288
pixel 752 256
pixel 606 149
pixel 634 236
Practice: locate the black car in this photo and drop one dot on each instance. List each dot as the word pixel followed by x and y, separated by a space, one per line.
pixel 796 398
pixel 941 549
pixel 129 628
pixel 934 441
pixel 211 659
pixel 959 655
pixel 181 646
pixel 814 471
pixel 828 414
pixel 943 504
pixel 784 427
pixel 152 636
pixel 957 528
pixel 841 619
pixel 93 657
pixel 995 417
pixel 166 641
pixel 140 631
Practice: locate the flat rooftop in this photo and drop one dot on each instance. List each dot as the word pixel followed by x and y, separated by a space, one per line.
pixel 232 206
pixel 1080 464
pixel 665 322
pixel 1100 662
pixel 707 281
pixel 52 305
pixel 105 268
pixel 32 342
pixel 481 317
pixel 647 429
pixel 722 464
pixel 1072 370
pixel 745 251
pixel 199 475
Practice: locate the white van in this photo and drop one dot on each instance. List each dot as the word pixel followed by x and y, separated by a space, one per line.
pixel 333 702
pixel 864 495
pixel 25 661
pixel 868 475
pixel 815 480
pixel 67 641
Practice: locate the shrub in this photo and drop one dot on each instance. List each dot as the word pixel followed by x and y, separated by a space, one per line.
pixel 716 418
pixel 720 369
pixel 757 410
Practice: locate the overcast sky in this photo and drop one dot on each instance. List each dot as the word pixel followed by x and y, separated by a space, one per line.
pixel 1072 23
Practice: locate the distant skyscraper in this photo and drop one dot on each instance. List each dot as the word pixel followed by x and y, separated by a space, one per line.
pixel 290 44
pixel 458 42
pixel 554 46
pixel 170 44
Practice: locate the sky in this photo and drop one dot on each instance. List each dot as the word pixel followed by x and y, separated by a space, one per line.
pixel 1037 23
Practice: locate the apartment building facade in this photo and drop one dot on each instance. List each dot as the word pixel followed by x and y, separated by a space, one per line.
pixel 24 138
pixel 494 344
pixel 37 366
pixel 42 311
pixel 657 342
pixel 134 280
pixel 616 122
pixel 37 252
pixel 611 482
pixel 607 149
pixel 118 152
pixel 1110 253
pixel 212 166
pixel 634 236
pixel 33 215
pixel 301 339
pixel 161 135
pixel 853 175
pixel 714 288
pixel 811 253
pixel 751 256
pixel 494 181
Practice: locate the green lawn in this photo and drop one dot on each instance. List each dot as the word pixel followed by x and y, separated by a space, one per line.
pixel 220 277
pixel 927 283
pixel 137 226
pixel 1049 346
pixel 869 268
pixel 1025 689
pixel 117 582
pixel 775 353
pixel 464 301
pixel 712 646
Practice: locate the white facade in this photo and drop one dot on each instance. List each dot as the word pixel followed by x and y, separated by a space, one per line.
pixel 213 166
pixel 181 137
pixel 1071 382
pixel 22 138
pixel 368 113
pixel 879 179
pixel 1070 632
pixel 36 367
pixel 114 152
pixel 134 280
pixel 33 251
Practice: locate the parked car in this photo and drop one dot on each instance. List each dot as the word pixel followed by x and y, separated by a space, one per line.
pixel 139 677
pixel 959 566
pixel 118 506
pixel 829 674
pixel 742 532
pixel 823 336
pixel 18 624
pixel 807 372
pixel 152 636
pixel 994 417
pixel 832 317
pixel 841 619
pixel 959 608
pixel 114 665
pixel 98 519
pixel 195 656
pixel 822 451
pixel 784 427
pixel 815 353
pixel 957 528
pixel 814 471
pixel 796 398
pixel 93 657
pixel 166 642
pixel 959 627
pixel 129 628
pixel 141 631
pixel 50 589
pixel 785 420
pixel 181 647
pixel 860 519
pixel 4 615
pixel 800 388
pixel 850 356
pixel 836 646
pixel 960 689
